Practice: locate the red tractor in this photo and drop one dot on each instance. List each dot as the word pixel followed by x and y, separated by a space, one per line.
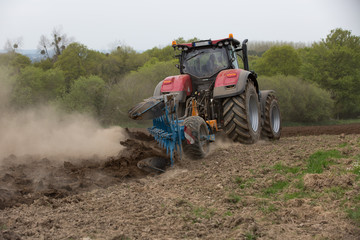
pixel 212 93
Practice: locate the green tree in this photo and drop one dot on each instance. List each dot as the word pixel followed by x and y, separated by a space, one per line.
pixel 15 61
pixel 120 62
pixel 135 87
pixel 77 61
pixel 36 86
pixel 279 60
pixel 300 101
pixel 86 96
pixel 334 64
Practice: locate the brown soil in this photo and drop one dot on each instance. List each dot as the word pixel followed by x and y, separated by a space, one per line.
pixel 28 178
pixel 219 197
pixel 317 130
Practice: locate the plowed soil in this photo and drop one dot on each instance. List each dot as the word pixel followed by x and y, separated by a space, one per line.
pixel 230 194
pixel 353 128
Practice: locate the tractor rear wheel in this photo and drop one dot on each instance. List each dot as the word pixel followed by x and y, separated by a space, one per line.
pixel 272 118
pixel 242 116
pixel 196 144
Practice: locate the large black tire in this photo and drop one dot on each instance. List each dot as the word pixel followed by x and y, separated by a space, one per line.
pixel 242 116
pixel 272 118
pixel 199 132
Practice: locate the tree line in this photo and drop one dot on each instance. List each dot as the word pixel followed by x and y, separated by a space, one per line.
pixel 313 83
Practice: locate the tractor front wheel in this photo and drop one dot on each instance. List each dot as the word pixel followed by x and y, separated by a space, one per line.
pixel 242 116
pixel 196 143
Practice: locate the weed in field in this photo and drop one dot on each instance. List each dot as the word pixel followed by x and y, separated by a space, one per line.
pixel 288 196
pixel 250 236
pixel 267 208
pixel 228 213
pixel 279 167
pixel 335 192
pixel 202 212
pixel 355 168
pixel 300 184
pixel 234 198
pixel 354 214
pixel 275 187
pixel 342 145
pixel 244 183
pixel 320 160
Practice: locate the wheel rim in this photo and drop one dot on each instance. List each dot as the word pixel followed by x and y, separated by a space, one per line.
pixel 254 113
pixel 275 119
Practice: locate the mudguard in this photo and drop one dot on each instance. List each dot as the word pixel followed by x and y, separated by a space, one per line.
pixel 232 82
pixel 180 84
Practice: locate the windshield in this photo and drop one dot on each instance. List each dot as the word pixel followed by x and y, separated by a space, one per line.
pixel 204 63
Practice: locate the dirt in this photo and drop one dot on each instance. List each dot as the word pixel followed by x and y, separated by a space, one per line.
pixel 28 178
pixel 224 196
pixel 353 128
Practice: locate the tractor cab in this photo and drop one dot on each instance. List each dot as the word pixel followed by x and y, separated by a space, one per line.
pixel 204 60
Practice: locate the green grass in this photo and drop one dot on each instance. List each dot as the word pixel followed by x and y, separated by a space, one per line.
pixel 228 213
pixel 250 236
pixel 234 198
pixel 244 183
pixel 354 214
pixel 267 208
pixel 320 160
pixel 279 167
pixel 275 187
pixel 342 145
pixel 202 212
pixel 335 192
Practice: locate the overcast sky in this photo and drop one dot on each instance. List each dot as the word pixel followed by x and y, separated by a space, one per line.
pixel 144 24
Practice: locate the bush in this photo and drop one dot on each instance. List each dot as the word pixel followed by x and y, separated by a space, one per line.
pixel 299 101
pixel 135 87
pixel 34 86
pixel 87 95
pixel 278 60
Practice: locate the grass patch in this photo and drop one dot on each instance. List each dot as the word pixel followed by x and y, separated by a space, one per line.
pixel 234 198
pixel 279 167
pixel 250 236
pixel 342 145
pixel 301 194
pixel 335 193
pixel 244 183
pixel 202 212
pixel 228 213
pixel 267 208
pixel 275 187
pixel 320 160
pixel 354 214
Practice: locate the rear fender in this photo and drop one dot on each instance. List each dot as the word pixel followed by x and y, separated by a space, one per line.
pixel 175 84
pixel 232 82
pixel 157 91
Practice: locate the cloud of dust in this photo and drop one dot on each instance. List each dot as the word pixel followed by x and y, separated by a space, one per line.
pixel 46 132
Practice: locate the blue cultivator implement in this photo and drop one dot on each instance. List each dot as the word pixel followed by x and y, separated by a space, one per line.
pixel 171 132
pixel 167 129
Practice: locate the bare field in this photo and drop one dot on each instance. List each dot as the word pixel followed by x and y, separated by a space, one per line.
pixel 300 187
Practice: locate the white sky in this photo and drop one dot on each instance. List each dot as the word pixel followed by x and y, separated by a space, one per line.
pixel 144 24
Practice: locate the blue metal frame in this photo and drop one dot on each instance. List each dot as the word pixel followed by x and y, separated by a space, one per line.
pixel 168 130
